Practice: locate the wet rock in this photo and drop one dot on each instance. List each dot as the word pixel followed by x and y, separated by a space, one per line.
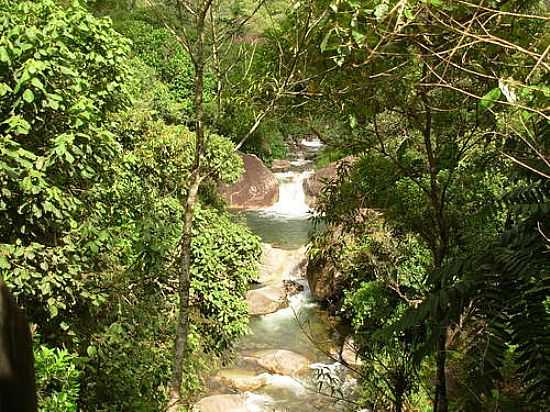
pixel 278 166
pixel 256 189
pixel 315 183
pixel 276 264
pixel 325 280
pixel 241 379
pixel 280 361
pixel 348 353
pixel 272 265
pixel 228 403
pixel 292 287
pixel 266 300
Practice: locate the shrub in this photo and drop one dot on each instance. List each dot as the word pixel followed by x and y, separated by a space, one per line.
pixel 57 378
pixel 62 72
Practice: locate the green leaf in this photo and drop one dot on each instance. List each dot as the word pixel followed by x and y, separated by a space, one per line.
pixel 28 96
pixel 380 11
pixel 25 77
pixel 91 351
pixel 325 41
pixel 4 89
pixel 488 100
pixel 352 121
pixel 357 36
pixel 69 157
pixel 4 56
pixel 4 263
pixel 36 82
pixel 18 125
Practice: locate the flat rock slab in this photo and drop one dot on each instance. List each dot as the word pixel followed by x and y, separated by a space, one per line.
pixel 231 403
pixel 241 379
pixel 280 361
pixel 266 300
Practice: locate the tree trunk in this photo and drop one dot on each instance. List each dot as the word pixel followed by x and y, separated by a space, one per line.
pixel 441 402
pixel 398 402
pixel 183 294
pixel 190 201
pixel 439 252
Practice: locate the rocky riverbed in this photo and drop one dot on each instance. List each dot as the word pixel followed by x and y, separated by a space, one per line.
pixel 292 347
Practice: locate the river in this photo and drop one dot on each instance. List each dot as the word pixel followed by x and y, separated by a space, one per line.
pixel 301 330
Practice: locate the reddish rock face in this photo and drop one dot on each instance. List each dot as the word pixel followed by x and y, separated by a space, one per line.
pixel 324 281
pixel 256 189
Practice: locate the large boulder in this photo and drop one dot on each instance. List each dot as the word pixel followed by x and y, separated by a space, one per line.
pixel 280 361
pixel 325 280
pixel 315 183
pixel 278 264
pixel 256 189
pixel 266 300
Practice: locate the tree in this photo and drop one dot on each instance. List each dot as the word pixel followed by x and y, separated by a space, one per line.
pixel 420 110
pixel 193 35
pixel 198 57
pixel 62 73
pixel 201 29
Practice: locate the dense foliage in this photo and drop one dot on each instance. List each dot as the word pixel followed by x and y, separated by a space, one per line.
pixel 439 137
pixel 62 74
pixel 95 160
pixel 119 119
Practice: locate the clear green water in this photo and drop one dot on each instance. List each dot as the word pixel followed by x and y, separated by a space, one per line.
pixel 280 231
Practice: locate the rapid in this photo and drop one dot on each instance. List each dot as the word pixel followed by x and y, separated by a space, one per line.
pixel 289 361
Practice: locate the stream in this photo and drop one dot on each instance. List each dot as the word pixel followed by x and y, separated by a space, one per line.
pixel 283 364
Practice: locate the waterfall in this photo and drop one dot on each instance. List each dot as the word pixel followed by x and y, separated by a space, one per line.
pixel 292 199
pixel 314 143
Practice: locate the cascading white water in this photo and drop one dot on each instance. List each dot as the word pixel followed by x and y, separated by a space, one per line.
pixel 292 199
pixel 257 403
pixel 312 143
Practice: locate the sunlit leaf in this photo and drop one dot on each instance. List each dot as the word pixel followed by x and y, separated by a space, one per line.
pixel 488 100
pixel 28 96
